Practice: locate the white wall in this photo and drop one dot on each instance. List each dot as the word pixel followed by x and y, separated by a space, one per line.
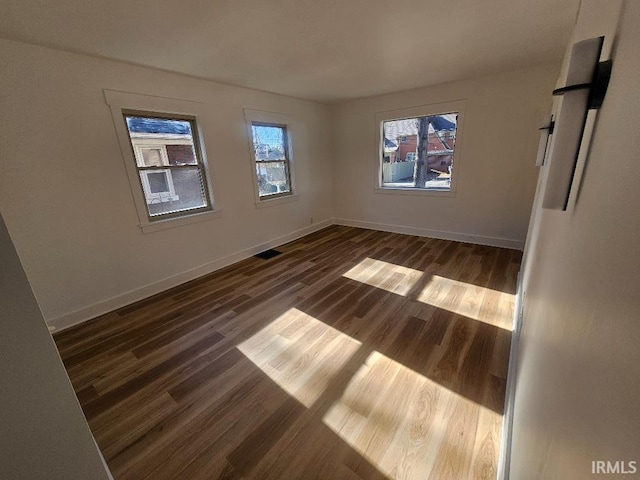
pixel 44 433
pixel 68 204
pixel 66 198
pixel 577 390
pixel 496 176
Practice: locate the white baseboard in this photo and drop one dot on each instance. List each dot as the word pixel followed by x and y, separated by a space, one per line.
pixel 441 234
pixel 74 318
pixel 504 460
pixel 86 313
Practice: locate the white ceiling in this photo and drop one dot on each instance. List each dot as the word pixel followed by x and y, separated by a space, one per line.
pixel 326 50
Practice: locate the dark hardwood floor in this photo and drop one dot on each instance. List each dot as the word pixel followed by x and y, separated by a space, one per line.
pixel 356 354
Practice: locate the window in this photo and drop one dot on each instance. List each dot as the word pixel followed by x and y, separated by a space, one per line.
pixel 169 164
pixel 419 149
pixel 164 158
pixel 430 156
pixel 271 156
pixel 270 138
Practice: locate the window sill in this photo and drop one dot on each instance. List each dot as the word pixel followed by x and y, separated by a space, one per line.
pixel 158 225
pixel 415 191
pixel 271 202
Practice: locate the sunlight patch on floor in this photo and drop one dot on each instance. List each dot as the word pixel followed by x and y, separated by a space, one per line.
pixel 300 353
pixel 399 421
pixel 387 276
pixel 473 301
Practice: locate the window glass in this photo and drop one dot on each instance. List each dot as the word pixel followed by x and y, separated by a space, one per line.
pixel 151 157
pixel 418 152
pixel 171 172
pixel 270 147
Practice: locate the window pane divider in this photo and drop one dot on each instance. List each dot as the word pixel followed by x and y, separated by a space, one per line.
pixel 271 156
pixel 165 167
pixel 277 195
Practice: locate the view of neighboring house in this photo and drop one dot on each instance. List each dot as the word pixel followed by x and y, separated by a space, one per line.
pixel 270 155
pixel 401 141
pixel 401 149
pixel 159 145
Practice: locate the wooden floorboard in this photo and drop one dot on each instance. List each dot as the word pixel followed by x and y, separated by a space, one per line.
pixel 355 354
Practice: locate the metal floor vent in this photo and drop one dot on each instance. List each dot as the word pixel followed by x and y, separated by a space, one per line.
pixel 267 254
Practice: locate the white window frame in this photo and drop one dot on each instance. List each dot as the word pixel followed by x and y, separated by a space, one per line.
pixel 160 197
pixel 151 198
pixel 153 146
pixel 280 120
pixel 122 103
pixel 458 106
